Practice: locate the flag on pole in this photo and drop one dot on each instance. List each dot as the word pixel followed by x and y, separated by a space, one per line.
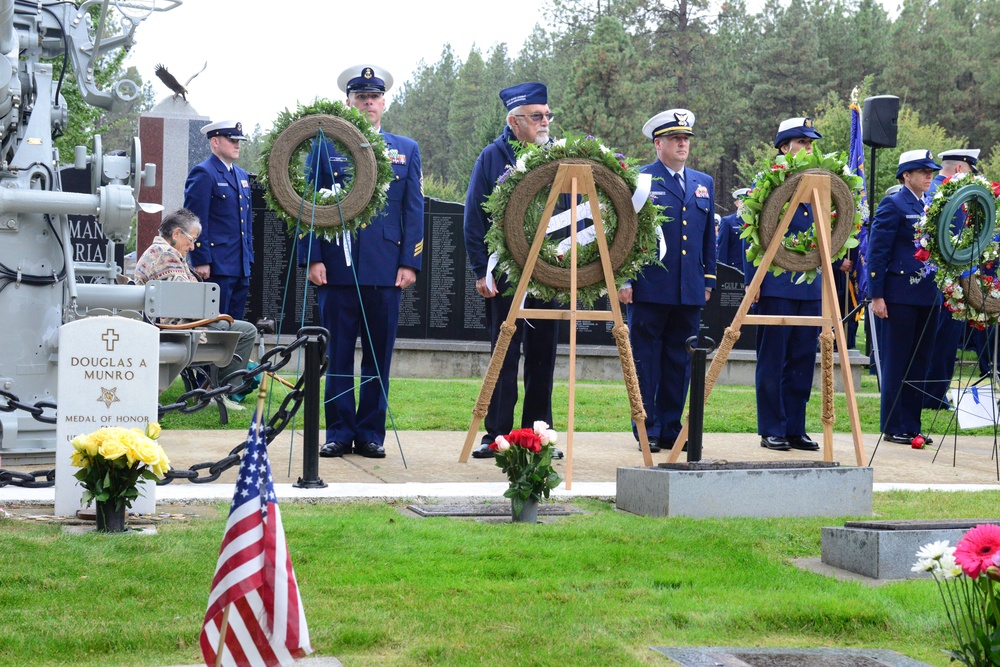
pixel 266 622
pixel 856 163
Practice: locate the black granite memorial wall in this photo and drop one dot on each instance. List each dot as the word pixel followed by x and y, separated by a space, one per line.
pixel 721 308
pixel 89 243
pixel 443 304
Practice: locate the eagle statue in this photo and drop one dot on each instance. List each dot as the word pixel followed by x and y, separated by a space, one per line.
pixel 173 84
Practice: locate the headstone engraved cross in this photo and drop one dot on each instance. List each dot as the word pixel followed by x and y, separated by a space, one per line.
pixel 108 376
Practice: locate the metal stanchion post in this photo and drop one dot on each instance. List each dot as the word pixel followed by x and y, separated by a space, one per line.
pixel 696 409
pixel 310 415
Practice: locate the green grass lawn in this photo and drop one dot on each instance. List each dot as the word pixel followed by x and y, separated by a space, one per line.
pixel 383 588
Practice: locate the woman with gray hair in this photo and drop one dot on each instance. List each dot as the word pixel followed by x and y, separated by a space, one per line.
pixel 166 259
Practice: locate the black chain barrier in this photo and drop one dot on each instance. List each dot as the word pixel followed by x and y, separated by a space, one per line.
pixel 192 401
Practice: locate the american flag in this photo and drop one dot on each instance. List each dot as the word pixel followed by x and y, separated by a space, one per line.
pixel 267 624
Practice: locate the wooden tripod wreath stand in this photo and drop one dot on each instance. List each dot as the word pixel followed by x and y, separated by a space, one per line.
pixel 572 179
pixel 814 189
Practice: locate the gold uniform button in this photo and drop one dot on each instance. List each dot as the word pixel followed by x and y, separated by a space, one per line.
pixel 685 237
pixel 873 274
pixel 684 252
pixel 684 222
pixel 805 214
pixel 684 208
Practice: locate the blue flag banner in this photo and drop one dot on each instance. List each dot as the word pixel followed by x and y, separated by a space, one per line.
pixel 856 163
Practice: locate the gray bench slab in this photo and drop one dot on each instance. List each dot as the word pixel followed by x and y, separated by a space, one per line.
pixel 755 489
pixel 887 549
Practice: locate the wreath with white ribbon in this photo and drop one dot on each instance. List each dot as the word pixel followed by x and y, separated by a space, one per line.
pixel 799 252
pixel 964 258
pixel 631 221
pixel 302 206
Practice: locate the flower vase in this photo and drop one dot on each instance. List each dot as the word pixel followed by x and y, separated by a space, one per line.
pixel 109 518
pixel 529 512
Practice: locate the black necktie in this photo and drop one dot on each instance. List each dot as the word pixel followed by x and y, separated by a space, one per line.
pixel 680 181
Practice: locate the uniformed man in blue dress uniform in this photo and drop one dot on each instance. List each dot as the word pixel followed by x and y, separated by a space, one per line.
pixel 786 355
pixel 731 248
pixel 952 334
pixel 379 262
pixel 218 192
pixel 528 118
pixel 904 298
pixel 665 302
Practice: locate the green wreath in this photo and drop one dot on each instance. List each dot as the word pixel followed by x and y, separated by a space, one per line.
pixel 641 251
pixel 964 261
pixel 804 242
pixel 287 193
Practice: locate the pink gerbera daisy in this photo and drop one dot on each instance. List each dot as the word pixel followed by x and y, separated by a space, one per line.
pixel 977 548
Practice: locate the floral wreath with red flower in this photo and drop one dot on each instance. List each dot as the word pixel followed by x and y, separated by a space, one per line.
pixel 802 242
pixel 949 277
pixel 525 455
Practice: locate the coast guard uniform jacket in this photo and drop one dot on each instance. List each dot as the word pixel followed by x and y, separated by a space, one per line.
pixel 895 275
pixel 221 200
pixel 730 249
pixel 667 300
pixel 391 240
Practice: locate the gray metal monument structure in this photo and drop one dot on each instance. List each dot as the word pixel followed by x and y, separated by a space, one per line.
pixel 38 276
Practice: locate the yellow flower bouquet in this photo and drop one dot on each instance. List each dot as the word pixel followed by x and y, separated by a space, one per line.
pixel 112 460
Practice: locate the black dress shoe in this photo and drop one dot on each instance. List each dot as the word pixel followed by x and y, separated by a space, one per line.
pixel 332 449
pixel 557 453
pixel 483 451
pixel 803 442
pixel 900 438
pixel 669 443
pixel 370 450
pixel 654 445
pixel 928 440
pixel 775 443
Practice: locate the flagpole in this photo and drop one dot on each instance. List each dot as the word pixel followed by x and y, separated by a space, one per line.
pixel 222 635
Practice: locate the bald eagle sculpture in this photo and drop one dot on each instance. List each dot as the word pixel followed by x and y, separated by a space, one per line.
pixel 173 84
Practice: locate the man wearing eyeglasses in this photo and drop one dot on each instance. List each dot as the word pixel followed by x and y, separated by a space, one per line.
pixel 360 278
pixel 218 193
pixel 528 118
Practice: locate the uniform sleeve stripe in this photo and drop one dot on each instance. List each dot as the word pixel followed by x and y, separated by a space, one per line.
pixel 709 275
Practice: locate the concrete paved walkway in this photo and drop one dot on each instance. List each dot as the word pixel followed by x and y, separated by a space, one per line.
pixel 432 469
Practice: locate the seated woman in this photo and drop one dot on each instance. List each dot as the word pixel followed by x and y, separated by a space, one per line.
pixel 166 259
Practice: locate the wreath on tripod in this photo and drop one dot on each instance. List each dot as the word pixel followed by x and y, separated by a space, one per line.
pixel 297 202
pixel 964 258
pixel 799 252
pixel 516 204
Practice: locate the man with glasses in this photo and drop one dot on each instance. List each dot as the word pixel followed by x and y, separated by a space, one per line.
pixel 377 263
pixel 528 118
pixel 665 301
pixel 218 193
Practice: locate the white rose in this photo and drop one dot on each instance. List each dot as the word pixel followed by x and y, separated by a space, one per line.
pixel 539 427
pixel 552 436
pixel 502 444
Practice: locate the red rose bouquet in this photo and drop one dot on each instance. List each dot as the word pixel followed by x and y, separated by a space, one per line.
pixel 525 455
